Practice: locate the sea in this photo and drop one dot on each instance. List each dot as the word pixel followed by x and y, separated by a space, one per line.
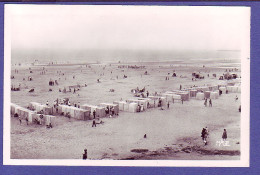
pixel 120 56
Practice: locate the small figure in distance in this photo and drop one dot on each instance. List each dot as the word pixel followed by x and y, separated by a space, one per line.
pixel 85 155
pixel 224 135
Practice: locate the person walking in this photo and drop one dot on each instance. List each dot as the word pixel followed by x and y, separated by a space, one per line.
pixel 224 135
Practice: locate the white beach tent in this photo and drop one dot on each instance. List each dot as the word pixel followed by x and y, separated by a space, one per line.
pixel 223 89
pixel 229 88
pixel 213 95
pixel 133 107
pixel 123 106
pixel 100 111
pixel 200 96
pixel 115 106
pixel 193 93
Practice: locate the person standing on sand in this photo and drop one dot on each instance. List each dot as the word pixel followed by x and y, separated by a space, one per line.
pixel 54 104
pixel 26 120
pixel 224 135
pixel 85 155
pixel 168 105
pixel 181 101
pixel 203 133
pixel 210 103
pixel 94 114
pixel 206 134
pixel 20 120
pixel 180 87
pixel 147 93
pixel 205 103
pixel 94 123
pixel 113 111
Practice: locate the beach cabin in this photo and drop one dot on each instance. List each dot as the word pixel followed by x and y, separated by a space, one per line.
pixel 223 89
pixel 193 93
pixel 200 96
pixel 77 113
pixel 207 94
pixel 133 107
pixel 34 106
pixel 123 105
pixel 213 95
pixel 110 105
pixel 43 119
pixel 185 96
pixel 202 88
pixel 169 97
pixel 22 112
pixel 100 111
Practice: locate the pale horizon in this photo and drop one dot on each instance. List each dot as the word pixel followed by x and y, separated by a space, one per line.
pixel 46 30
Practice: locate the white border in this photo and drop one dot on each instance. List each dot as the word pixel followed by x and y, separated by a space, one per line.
pixel 245 114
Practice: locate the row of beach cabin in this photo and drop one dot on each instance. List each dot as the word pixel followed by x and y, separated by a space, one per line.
pixel 45 114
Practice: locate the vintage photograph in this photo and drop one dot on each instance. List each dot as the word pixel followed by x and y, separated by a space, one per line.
pixel 100 83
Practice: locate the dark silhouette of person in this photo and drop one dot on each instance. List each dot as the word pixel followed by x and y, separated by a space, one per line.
pixel 224 135
pixel 85 155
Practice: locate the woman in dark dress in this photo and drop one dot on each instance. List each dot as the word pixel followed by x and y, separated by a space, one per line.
pixel 224 135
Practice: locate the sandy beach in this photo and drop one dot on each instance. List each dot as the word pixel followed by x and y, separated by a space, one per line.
pixel 173 133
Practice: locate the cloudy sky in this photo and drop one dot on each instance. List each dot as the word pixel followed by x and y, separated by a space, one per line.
pixel 61 27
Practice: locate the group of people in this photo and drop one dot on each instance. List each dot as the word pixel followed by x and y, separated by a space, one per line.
pixel 70 90
pixel 94 122
pixel 110 111
pixel 140 108
pixel 65 101
pixel 206 102
pixel 205 135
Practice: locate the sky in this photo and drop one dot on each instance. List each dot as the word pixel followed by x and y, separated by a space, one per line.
pixel 87 27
